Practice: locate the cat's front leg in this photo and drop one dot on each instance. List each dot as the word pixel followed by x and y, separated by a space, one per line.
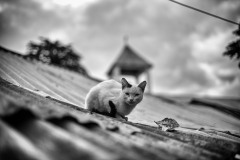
pixel 121 117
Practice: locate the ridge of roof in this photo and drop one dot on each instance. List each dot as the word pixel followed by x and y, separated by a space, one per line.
pixel 10 51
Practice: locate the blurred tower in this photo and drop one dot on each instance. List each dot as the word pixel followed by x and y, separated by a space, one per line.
pixel 130 63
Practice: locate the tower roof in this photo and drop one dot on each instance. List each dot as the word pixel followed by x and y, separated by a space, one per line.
pixel 130 62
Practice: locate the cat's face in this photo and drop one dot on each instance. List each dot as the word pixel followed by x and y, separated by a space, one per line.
pixel 132 94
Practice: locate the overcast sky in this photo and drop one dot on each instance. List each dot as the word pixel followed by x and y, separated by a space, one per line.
pixel 184 46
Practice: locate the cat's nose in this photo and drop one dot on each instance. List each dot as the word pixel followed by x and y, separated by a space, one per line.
pixel 131 100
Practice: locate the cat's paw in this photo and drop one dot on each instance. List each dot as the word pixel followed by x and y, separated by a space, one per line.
pixel 121 117
pixel 126 118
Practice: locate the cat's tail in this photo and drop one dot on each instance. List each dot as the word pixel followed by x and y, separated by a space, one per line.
pixel 113 109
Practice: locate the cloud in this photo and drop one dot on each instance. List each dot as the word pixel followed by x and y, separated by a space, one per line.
pixel 23 20
pixel 184 46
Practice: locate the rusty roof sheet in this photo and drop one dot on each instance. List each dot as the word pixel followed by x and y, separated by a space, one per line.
pixel 42 117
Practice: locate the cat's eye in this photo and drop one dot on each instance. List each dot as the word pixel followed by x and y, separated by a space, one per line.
pixel 136 94
pixel 127 94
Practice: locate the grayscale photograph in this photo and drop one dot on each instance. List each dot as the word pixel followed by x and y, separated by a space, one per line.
pixel 119 79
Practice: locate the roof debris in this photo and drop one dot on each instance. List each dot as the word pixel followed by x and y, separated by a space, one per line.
pixel 167 124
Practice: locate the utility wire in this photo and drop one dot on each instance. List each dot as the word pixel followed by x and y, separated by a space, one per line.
pixel 224 19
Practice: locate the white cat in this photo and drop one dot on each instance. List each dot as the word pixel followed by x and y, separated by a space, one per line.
pixel 114 99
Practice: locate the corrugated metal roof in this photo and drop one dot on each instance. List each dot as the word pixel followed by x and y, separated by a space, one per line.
pixel 41 117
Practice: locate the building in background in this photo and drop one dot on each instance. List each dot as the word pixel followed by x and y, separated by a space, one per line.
pixel 131 64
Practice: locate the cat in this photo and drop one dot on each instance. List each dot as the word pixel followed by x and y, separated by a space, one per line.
pixel 114 99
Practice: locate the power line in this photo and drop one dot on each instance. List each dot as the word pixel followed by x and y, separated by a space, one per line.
pixel 215 16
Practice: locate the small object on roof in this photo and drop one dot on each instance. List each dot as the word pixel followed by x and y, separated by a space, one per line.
pixel 201 129
pixel 167 124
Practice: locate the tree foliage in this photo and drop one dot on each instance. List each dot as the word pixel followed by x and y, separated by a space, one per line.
pixel 55 53
pixel 233 48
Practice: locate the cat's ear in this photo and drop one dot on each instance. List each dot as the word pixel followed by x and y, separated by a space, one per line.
pixel 125 84
pixel 142 85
